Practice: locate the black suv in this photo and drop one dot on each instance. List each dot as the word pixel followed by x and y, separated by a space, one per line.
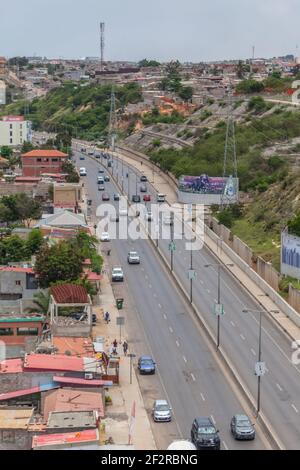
pixel 204 434
pixel 144 179
pixel 136 198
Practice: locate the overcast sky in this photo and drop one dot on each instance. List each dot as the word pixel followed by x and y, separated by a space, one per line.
pixel 190 30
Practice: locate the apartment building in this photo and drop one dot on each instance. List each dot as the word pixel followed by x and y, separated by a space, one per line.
pixel 14 131
pixel 38 162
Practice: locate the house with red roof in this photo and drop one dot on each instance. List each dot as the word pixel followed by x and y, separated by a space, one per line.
pixel 38 162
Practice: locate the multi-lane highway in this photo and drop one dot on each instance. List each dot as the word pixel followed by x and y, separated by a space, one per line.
pixel 239 332
pixel 160 322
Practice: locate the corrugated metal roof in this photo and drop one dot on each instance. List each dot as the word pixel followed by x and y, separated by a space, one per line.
pixel 90 435
pixel 53 362
pixel 70 294
pixel 15 419
pixel 28 391
pixel 77 381
pixel 11 366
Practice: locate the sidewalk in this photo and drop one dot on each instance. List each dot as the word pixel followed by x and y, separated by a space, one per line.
pixel 123 396
pixel 162 186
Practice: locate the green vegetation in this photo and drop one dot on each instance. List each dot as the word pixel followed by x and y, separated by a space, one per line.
pixel 14 249
pixel 258 105
pixel 19 208
pixel 156 117
pixel 75 110
pixel 250 86
pixel 63 261
pixel 255 172
pixel 41 301
pixel 229 215
pixel 148 63
pixel 172 82
pixel 294 225
pixel 273 83
pixel 72 175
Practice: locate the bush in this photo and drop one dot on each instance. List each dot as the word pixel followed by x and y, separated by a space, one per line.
pixel 257 104
pixel 250 86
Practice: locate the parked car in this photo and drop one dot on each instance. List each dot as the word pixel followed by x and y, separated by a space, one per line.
pixel 94 318
pixel 143 188
pixel 105 197
pixel 161 412
pixel 147 198
pixel 204 434
pixel 117 275
pixel 116 197
pixel 105 237
pixel 136 198
pixel 82 171
pixel 89 202
pixel 144 179
pixel 107 178
pixel 242 428
pixel 97 155
pixel 79 316
pixel 146 365
pixel 133 257
pixel 90 152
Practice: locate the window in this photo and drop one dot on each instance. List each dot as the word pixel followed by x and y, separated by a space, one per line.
pixel 10 133
pixel 10 141
pixel 6 332
pixel 31 282
pixel 55 159
pixel 38 159
pixel 27 331
pixel 18 283
pixel 10 126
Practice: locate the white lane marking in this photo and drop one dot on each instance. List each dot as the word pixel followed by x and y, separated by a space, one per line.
pixel 171 329
pixel 233 324
pixel 155 295
pixel 208 291
pixel 243 337
pixel 146 277
pixel 213 419
pixel 201 282
pixel 279 387
pixel 142 269
pixel 215 300
pixel 193 377
pixel 150 286
pixel 184 358
pixel 165 316
pixel 177 344
pixel 202 396
pixel 253 352
pixel 294 408
pixel 159 306
pixel 225 445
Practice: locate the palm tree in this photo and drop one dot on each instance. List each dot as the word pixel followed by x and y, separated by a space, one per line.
pixel 42 301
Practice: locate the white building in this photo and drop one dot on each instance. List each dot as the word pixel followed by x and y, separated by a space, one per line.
pixel 14 131
pixel 2 93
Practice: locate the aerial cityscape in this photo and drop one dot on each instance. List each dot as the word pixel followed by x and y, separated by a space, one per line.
pixel 150 227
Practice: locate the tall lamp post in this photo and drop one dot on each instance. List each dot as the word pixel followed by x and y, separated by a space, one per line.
pixel 219 308
pixel 260 367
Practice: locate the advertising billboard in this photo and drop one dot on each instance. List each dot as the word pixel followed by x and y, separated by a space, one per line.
pixel 206 189
pixel 290 255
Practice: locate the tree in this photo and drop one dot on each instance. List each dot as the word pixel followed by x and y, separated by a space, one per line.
pixel 186 93
pixel 28 208
pixel 58 263
pixel 27 147
pixel 13 249
pixel 42 301
pixel 148 63
pixel 240 69
pixel 294 226
pixel 5 151
pixel 34 241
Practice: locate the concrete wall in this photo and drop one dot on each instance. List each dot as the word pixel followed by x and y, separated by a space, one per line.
pixel 75 331
pixel 8 280
pixel 15 439
pixel 294 298
pixel 21 381
pixel 206 199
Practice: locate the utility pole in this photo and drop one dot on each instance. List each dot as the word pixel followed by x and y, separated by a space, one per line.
pixel 172 244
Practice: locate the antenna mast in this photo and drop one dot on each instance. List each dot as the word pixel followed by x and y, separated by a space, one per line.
pixel 102 45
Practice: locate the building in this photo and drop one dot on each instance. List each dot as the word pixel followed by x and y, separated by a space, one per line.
pixel 67 195
pixel 17 283
pixel 38 162
pixel 14 425
pixel 2 66
pixel 14 131
pixel 2 93
pixel 14 331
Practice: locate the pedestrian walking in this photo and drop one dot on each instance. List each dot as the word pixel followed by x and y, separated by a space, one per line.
pixel 107 317
pixel 125 348
pixel 115 345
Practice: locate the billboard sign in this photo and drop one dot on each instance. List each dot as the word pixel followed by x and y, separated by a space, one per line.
pixel 290 255
pixel 208 190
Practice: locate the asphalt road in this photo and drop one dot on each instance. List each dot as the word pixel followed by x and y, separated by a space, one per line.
pixel 160 322
pixel 280 391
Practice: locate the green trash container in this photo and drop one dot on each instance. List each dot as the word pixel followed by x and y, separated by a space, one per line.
pixel 120 304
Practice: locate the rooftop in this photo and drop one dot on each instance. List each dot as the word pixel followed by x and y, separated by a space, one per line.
pixel 45 153
pixel 11 366
pixel 53 362
pixel 72 419
pixel 64 400
pixel 88 436
pixel 70 294
pixel 80 347
pixel 15 419
pixel 16 269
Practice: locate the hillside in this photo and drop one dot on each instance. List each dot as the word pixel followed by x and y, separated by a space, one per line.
pixel 81 111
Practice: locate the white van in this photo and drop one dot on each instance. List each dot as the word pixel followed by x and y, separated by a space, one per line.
pixel 161 198
pixel 82 171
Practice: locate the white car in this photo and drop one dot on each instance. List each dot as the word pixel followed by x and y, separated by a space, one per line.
pixel 149 216
pixel 133 258
pixel 117 275
pixel 105 237
pixel 123 212
pixel 82 171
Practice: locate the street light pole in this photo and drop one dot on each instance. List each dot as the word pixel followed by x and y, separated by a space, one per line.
pixel 259 375
pixel 191 280
pixel 172 241
pixel 220 307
